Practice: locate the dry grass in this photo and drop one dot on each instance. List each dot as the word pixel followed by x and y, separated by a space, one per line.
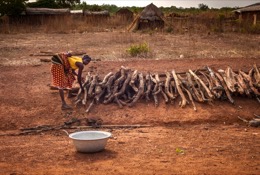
pixel 62 24
pixel 197 23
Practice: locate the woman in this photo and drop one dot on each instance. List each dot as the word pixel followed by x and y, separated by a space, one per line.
pixel 63 71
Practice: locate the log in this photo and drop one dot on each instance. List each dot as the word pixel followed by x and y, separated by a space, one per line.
pixel 111 126
pixel 229 79
pixel 93 83
pixel 167 86
pixel 225 88
pixel 106 79
pixel 217 88
pixel 148 83
pixel 248 79
pixel 195 93
pixel 133 80
pixel 117 85
pixel 126 82
pixel 178 85
pixel 90 106
pixel 47 53
pixel 109 85
pixel 190 97
pixel 243 84
pixel 202 83
pixel 140 90
pixel 256 76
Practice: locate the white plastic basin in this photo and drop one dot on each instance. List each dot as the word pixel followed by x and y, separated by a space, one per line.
pixel 90 141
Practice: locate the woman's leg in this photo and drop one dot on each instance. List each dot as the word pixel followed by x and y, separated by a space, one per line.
pixel 64 104
pixel 70 95
pixel 61 91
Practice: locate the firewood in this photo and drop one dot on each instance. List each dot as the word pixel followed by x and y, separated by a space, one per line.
pixel 256 76
pixel 106 79
pixel 178 85
pixel 148 83
pixel 110 126
pixel 238 86
pixel 126 82
pixel 118 102
pixel 82 97
pixel 254 122
pixel 217 88
pixel 108 85
pixel 155 89
pixel 98 96
pixel 87 80
pixel 206 77
pixel 156 102
pixel 166 99
pixel 167 86
pixel 93 83
pixel 225 87
pixel 45 60
pixel 85 96
pixel 160 90
pixel 243 84
pixel 98 89
pixel 229 79
pixel 202 83
pixel 188 86
pixel 90 106
pixel 195 93
pixel 140 90
pixel 116 85
pixel 133 80
pixel 248 79
pixel 126 87
pixel 190 97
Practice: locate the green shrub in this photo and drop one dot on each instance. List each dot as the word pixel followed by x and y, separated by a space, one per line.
pixel 169 29
pixel 139 50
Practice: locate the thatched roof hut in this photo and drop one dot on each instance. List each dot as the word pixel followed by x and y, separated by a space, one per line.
pixel 125 13
pixel 249 13
pixel 46 11
pixel 103 13
pixel 150 18
pixel 39 16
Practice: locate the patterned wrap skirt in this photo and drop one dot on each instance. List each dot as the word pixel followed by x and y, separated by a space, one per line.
pixel 61 72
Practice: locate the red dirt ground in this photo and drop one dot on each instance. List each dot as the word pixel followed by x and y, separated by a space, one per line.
pixel 213 139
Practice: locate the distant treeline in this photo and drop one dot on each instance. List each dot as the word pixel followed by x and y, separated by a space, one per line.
pixel 16 7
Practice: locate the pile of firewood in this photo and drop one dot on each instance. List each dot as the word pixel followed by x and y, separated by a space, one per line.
pixel 126 86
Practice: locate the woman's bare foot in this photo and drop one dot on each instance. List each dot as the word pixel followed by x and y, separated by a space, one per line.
pixel 65 107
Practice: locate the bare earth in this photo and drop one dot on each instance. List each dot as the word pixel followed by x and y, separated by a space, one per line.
pixel 213 140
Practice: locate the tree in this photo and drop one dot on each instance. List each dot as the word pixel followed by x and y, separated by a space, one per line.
pixel 54 3
pixel 203 7
pixel 67 3
pixel 44 4
pixel 12 7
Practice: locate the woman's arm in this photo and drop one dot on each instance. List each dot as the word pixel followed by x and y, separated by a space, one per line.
pixel 74 72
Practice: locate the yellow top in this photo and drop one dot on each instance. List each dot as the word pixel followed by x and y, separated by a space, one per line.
pixel 73 60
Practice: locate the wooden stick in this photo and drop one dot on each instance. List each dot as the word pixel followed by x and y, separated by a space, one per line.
pixel 110 126
pixel 202 83
pixel 178 85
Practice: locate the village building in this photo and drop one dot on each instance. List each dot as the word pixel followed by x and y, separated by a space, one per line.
pixel 249 14
pixel 125 13
pixel 150 18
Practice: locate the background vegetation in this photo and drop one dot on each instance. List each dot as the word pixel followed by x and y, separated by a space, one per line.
pixel 16 7
pixel 185 20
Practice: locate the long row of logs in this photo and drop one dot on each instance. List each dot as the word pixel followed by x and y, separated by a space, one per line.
pixel 126 87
